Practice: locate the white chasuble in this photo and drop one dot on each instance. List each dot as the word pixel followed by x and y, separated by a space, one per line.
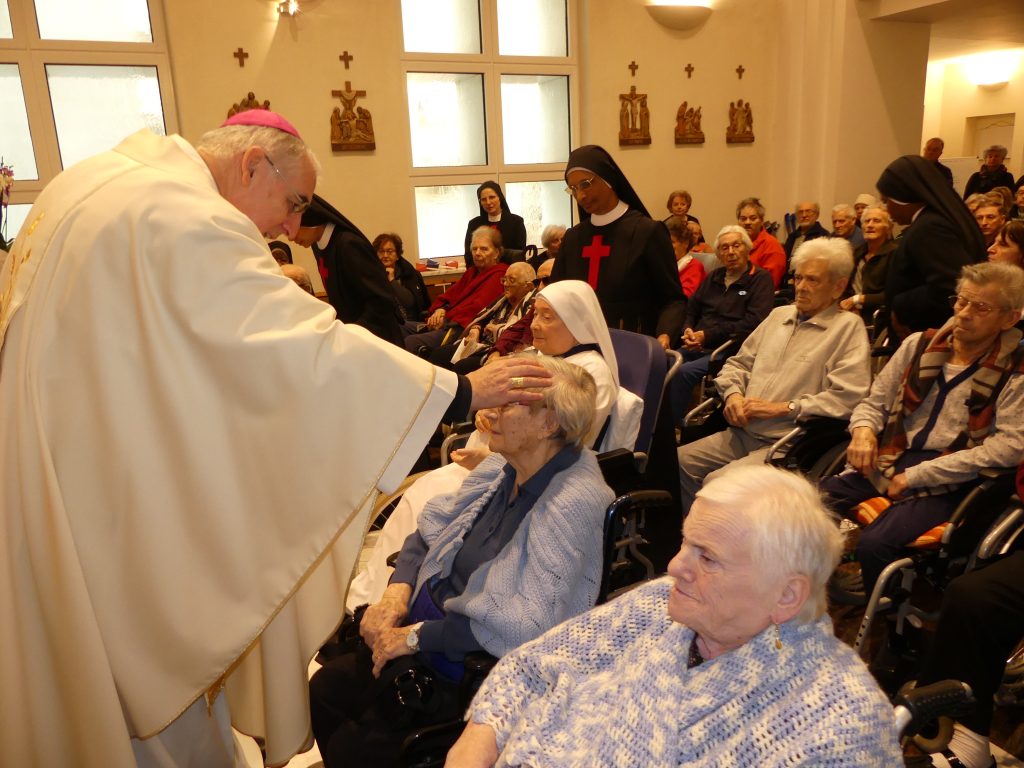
pixel 189 447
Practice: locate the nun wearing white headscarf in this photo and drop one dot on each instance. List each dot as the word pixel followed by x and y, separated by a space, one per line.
pixel 568 323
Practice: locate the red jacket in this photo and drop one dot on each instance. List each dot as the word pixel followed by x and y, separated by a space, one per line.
pixel 473 291
pixel 768 254
pixel 691 276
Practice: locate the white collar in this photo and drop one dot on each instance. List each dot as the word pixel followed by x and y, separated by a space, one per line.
pixel 493 219
pixel 604 219
pixel 325 238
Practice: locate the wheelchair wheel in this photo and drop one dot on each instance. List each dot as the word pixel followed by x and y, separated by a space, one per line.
pixel 829 463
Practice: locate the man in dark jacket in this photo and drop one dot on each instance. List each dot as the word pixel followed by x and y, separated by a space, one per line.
pixel 807 227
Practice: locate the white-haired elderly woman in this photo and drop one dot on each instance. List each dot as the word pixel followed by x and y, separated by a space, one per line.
pixel 551 241
pixel 728 304
pixel 992 173
pixel 730 660
pixel 516 550
pixel 866 289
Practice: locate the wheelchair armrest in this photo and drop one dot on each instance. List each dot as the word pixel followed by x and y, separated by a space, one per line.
pixel 919 706
pixel 459 434
pixel 719 352
pixel 824 424
pixel 429 744
pixel 476 666
pixel 1003 533
pixel 700 413
pixel 782 443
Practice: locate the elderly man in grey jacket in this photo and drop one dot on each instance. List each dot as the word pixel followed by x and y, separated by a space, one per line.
pixel 809 358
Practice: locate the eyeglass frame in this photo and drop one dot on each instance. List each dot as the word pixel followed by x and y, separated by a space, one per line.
pixel 297 207
pixel 979 307
pixel 584 185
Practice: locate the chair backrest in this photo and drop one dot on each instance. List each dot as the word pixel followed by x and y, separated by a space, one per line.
pixel 644 369
pixel 709 259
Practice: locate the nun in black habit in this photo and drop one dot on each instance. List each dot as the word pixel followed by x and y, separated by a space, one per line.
pixel 355 280
pixel 942 237
pixel 623 253
pixel 497 215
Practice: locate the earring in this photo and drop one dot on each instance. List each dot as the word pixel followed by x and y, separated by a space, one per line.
pixel 778 640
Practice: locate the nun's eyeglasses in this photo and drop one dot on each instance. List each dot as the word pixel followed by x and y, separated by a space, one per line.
pixel 298 202
pixel 586 184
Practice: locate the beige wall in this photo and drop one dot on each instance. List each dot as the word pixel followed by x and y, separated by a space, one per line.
pixel 835 97
pixel 953 100
pixel 294 63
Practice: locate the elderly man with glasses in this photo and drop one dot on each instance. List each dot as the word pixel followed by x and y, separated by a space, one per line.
pixel 477 341
pixel 949 403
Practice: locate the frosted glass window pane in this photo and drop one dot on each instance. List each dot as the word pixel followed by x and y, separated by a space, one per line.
pixel 539 203
pixel 535 118
pixel 14 217
pixel 16 146
pixel 123 21
pixel 442 214
pixel 5 21
pixel 532 28
pixel 95 107
pixel 446 119
pixel 441 26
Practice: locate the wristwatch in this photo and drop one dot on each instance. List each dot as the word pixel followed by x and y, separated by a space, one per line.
pixel 412 640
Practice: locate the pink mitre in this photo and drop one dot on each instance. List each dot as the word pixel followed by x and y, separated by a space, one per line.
pixel 262 117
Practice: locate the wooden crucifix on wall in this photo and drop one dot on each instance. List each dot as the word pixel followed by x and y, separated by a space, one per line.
pixel 634 118
pixel 351 126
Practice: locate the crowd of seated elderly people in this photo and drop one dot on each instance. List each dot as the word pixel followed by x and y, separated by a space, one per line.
pixel 498 550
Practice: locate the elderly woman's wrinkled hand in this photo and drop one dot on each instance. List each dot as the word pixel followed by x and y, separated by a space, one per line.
pixel 508 380
pixel 391 643
pixel 387 613
pixel 436 320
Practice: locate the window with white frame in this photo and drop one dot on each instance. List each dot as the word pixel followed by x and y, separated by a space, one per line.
pixel 492 94
pixel 76 77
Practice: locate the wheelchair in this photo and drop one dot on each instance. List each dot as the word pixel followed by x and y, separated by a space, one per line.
pixel 937 557
pixel 625 566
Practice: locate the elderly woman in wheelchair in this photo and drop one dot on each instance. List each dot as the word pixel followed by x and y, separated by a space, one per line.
pixel 515 551
pixel 730 660
pixel 567 324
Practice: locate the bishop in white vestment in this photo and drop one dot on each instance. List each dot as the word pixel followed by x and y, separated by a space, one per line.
pixel 189 444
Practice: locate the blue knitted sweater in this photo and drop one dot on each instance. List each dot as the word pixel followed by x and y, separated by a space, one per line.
pixel 550 570
pixel 612 688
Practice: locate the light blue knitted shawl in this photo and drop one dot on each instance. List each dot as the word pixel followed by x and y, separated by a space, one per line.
pixel 548 572
pixel 612 688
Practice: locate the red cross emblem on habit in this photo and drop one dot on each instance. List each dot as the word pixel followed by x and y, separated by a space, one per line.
pixel 596 251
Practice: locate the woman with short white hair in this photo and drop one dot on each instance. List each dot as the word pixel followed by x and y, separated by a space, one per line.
pixel 730 660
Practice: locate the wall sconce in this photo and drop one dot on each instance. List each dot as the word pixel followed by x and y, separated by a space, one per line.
pixel 291 7
pixel 991 71
pixel 679 14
